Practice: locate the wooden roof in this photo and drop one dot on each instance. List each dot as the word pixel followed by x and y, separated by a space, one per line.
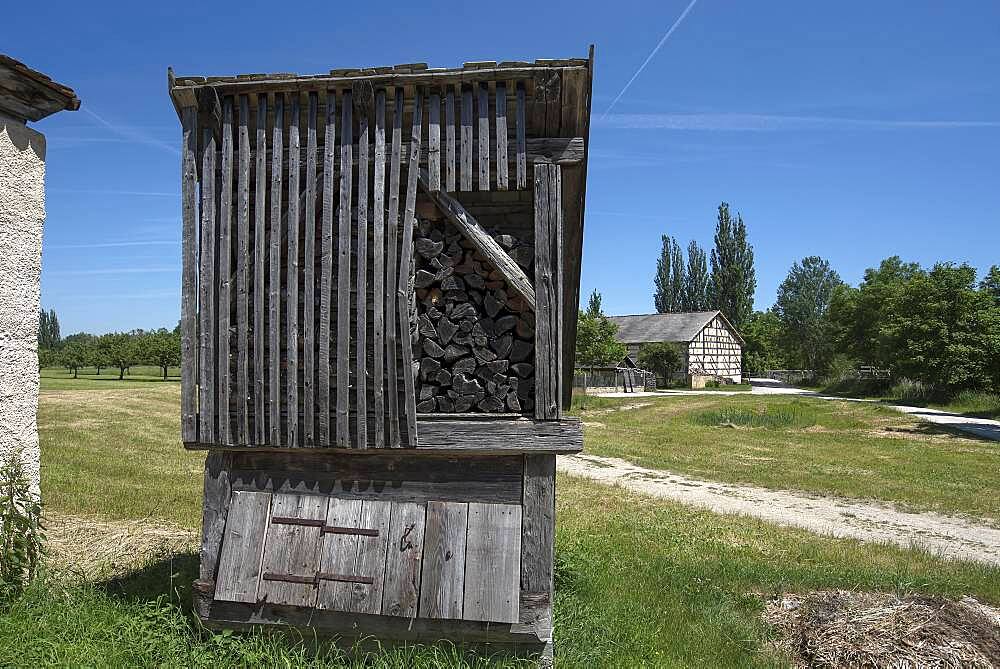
pixel 29 95
pixel 679 327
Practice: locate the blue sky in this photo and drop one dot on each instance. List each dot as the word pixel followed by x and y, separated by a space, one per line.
pixel 851 130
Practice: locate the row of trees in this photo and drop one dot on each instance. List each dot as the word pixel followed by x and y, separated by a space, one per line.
pixel 937 325
pixel 690 286
pixel 118 350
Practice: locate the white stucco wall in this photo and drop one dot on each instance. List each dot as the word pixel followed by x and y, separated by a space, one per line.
pixel 22 213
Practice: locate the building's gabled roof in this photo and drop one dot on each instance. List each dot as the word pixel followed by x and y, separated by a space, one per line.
pixel 29 95
pixel 682 327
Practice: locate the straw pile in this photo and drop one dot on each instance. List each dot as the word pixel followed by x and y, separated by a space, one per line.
pixel 848 629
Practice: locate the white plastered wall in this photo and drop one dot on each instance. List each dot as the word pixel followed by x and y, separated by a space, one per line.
pixel 22 214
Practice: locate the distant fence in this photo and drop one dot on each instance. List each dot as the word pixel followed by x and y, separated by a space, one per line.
pixel 790 376
pixel 613 379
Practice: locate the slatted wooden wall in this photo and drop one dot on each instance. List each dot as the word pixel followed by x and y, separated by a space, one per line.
pixel 299 210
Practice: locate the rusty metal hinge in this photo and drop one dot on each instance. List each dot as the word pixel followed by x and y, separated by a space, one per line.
pixel 317 577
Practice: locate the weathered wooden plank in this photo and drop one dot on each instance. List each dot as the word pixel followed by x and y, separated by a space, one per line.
pixel 392 225
pixel 242 435
pixel 548 326
pixel 292 280
pixel 483 241
pixel 378 277
pixel 521 150
pixel 371 557
pixel 449 135
pixel 216 493
pixel 344 274
pixel 483 132
pixel 466 140
pixel 292 550
pixel 224 364
pixel 501 132
pixel 492 563
pixel 434 140
pixel 259 287
pixel 189 275
pixel 206 295
pixel 402 566
pixel 361 286
pixel 339 554
pixel 537 534
pixel 309 283
pixel 243 547
pixel 442 584
pixel 274 284
pixel 404 292
pixel 326 271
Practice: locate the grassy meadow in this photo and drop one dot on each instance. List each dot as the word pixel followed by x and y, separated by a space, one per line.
pixel 640 582
pixel 849 449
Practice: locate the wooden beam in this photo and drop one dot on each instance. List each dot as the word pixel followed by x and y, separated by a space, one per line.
pixel 392 224
pixel 344 274
pixel 501 136
pixel 206 295
pixel 189 275
pixel 378 274
pixel 243 435
pixel 537 536
pixel 214 510
pixel 224 279
pixel 274 284
pixel 361 283
pixel 484 243
pixel 521 147
pixel 466 160
pixel 548 273
pixel 449 133
pixel 434 140
pixel 259 287
pixel 483 135
pixel 326 271
pixel 309 281
pixel 292 280
pixel 404 291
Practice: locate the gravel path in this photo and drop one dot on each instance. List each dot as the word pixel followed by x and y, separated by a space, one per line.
pixel 945 536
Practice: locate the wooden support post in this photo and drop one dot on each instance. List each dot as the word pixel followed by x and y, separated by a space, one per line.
pixel 501 132
pixel 292 279
pixel 404 290
pixel 361 281
pixel 537 536
pixel 309 281
pixel 449 134
pixel 216 505
pixel 225 275
pixel 344 273
pixel 243 277
pixel 326 271
pixel 206 295
pixel 274 284
pixel 483 109
pixel 189 275
pixel 392 226
pixel 378 273
pixel 259 288
pixel 548 292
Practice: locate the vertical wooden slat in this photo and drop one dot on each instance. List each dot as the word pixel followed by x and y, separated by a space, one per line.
pixel 492 559
pixel 548 299
pixel 537 534
pixel 449 136
pixel 292 278
pixel 309 281
pixel 344 275
pixel 206 294
pixel 189 276
pixel 378 275
pixel 242 435
pixel 371 557
pixel 339 554
pixel 402 565
pixel 404 291
pixel 502 180
pixel 292 549
pixel 215 507
pixel 522 162
pixel 326 278
pixel 434 141
pixel 466 172
pixel 242 547
pixel 260 256
pixel 442 582
pixel 274 281
pixel 483 109
pixel 361 281
pixel 392 392
pixel 225 274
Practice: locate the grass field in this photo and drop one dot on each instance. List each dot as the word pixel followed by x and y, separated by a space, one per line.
pixel 849 449
pixel 640 582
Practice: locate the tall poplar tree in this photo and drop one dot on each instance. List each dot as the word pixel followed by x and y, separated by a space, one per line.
pixel 594 305
pixel 696 279
pixel 669 280
pixel 734 278
pixel 677 275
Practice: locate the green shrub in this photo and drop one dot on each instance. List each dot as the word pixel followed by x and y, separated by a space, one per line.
pixel 774 416
pixel 21 532
pixel 907 390
pixel 712 383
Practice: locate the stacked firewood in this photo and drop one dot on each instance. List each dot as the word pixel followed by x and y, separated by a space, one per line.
pixel 476 343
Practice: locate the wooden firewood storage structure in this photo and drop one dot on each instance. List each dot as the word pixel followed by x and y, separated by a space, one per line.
pixel 381 269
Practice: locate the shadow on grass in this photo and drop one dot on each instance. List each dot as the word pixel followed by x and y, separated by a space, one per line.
pixel 169 577
pixel 968 430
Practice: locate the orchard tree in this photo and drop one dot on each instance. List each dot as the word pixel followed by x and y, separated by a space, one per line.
pixel 762 349
pixel 661 358
pixel 163 349
pixel 120 349
pixel 803 306
pixel 73 356
pixel 734 278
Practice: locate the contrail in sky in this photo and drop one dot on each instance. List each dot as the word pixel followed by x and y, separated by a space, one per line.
pixel 132 134
pixel 651 54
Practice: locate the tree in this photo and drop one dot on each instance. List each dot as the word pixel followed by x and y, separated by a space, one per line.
pixel 734 279
pixel 991 284
pixel 803 306
pixel 762 349
pixel 120 350
pixel 48 329
pixel 661 358
pixel 696 279
pixel 669 280
pixel 74 356
pixel 163 349
pixel 595 341
pixel 594 304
